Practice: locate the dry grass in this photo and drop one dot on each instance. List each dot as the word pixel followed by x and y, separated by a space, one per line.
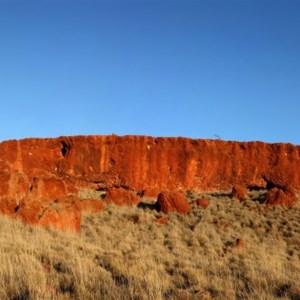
pixel 123 254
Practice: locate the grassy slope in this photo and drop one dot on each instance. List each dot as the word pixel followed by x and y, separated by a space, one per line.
pixel 123 254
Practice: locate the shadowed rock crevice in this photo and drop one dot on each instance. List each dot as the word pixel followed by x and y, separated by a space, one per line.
pixel 66 147
pixel 145 205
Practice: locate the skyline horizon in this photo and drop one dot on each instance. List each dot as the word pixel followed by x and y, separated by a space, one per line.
pixel 214 138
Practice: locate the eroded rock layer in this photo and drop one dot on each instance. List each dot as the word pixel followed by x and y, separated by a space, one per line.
pixel 32 169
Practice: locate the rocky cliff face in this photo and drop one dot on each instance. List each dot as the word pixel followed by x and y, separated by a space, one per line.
pixel 32 170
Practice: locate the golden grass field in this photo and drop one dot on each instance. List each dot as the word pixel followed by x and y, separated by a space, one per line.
pixel 123 254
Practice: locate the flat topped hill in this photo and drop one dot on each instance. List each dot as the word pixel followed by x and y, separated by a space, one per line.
pixel 40 178
pixel 165 163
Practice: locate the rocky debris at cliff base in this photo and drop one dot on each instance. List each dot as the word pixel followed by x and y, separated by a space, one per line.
pixel 91 205
pixel 62 213
pixel 285 197
pixel 239 192
pixel 172 202
pixel 203 202
pixel 121 197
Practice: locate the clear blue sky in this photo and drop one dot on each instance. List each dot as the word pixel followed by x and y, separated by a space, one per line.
pixel 162 68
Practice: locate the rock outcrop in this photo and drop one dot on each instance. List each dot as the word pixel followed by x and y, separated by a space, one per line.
pixel 281 196
pixel 142 162
pixel 169 202
pixel 40 179
pixel 202 202
pixel 121 197
pixel 239 192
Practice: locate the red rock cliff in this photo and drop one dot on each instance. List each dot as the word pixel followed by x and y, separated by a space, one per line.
pixel 60 166
pixel 165 163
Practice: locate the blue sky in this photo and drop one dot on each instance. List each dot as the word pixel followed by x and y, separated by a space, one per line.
pixel 163 68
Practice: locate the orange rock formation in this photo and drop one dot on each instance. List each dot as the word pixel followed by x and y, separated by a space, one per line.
pixel 204 203
pixel 121 197
pixel 34 173
pixel 168 202
pixel 239 192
